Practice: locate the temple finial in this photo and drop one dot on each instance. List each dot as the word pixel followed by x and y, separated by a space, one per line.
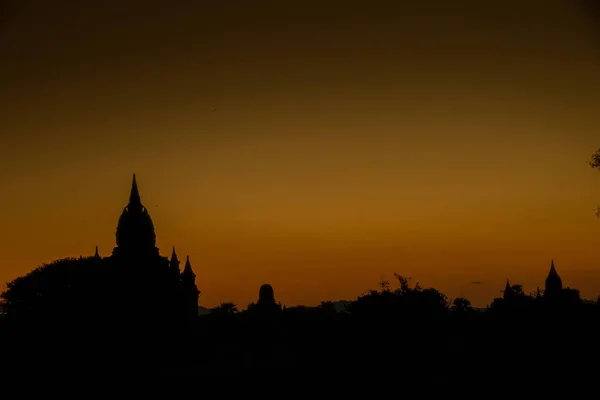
pixel 134 196
pixel 174 261
pixel 508 290
pixel 187 270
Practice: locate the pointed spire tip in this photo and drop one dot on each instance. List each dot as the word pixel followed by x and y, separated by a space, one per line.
pixel 134 196
pixel 188 264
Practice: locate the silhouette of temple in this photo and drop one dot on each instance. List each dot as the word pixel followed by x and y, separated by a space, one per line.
pixel 508 291
pixel 266 305
pixel 145 276
pixel 553 287
pixel 135 230
pixel 266 295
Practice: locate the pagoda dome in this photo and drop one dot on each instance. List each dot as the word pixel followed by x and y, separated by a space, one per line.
pixel 135 229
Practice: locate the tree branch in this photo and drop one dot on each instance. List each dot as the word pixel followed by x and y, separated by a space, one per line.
pixel 595 162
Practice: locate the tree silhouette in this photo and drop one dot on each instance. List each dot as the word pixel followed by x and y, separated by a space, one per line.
pixel 517 290
pixel 571 297
pixel 460 304
pixel 224 309
pixel 403 303
pixel 327 306
pixel 64 287
pixel 384 285
pixel 595 163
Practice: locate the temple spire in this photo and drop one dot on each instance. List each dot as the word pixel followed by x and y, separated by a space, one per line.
pixel 96 255
pixel 174 262
pixel 174 256
pixel 508 291
pixel 190 290
pixel 134 196
pixel 187 270
pixel 553 282
pixel 135 230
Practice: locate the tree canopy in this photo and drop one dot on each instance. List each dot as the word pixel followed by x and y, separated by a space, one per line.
pixel 595 163
pixel 61 287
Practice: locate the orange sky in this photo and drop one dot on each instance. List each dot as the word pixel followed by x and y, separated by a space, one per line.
pixel 315 147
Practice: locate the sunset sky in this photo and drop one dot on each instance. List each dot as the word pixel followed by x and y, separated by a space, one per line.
pixel 319 146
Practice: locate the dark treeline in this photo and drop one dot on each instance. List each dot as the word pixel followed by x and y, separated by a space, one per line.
pixel 78 315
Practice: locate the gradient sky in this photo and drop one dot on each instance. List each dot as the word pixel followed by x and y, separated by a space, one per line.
pixel 315 145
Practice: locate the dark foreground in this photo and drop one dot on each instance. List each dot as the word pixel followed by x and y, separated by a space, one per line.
pixel 459 349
